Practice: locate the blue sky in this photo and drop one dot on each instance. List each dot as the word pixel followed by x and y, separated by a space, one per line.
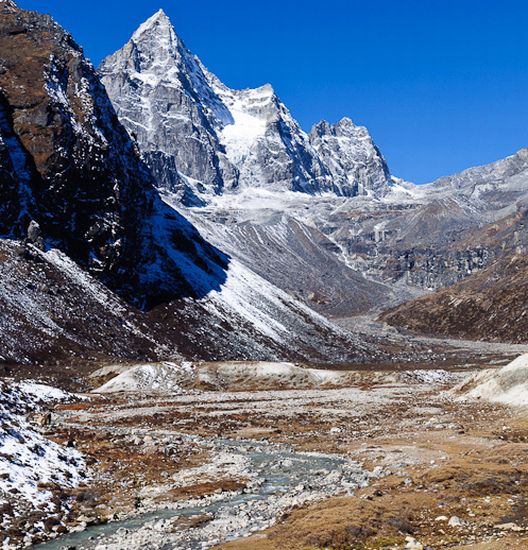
pixel 441 84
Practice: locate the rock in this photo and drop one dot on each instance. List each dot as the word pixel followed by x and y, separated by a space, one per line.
pixel 413 544
pixel 508 527
pixel 455 521
pixel 34 234
pixel 42 419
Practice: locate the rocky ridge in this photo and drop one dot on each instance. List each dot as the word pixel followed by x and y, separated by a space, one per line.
pixel 203 138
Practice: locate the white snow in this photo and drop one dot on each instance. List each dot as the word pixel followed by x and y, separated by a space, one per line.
pixel 27 459
pixel 250 122
pixel 44 393
pixel 435 376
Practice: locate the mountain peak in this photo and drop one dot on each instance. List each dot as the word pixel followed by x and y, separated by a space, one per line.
pixel 346 122
pixel 158 22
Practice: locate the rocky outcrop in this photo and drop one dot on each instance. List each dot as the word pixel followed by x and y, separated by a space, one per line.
pixel 204 139
pixel 490 305
pixel 435 235
pixel 489 302
pixel 355 163
pixel 15 176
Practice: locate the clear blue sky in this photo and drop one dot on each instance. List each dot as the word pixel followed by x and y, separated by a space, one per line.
pixel 441 84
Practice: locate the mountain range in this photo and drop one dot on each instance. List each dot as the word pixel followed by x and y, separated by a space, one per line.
pixel 187 219
pixel 317 214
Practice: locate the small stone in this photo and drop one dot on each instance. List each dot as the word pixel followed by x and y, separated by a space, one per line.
pixel 508 527
pixel 455 521
pixel 413 544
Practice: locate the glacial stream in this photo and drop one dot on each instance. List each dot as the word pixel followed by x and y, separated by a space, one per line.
pixel 278 479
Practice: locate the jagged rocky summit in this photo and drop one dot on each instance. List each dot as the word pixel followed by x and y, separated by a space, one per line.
pixel 202 138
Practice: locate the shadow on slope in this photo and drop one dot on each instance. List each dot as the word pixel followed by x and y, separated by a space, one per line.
pixel 73 180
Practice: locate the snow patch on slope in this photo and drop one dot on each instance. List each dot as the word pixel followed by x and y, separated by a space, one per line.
pixel 27 459
pixel 163 377
pixel 249 110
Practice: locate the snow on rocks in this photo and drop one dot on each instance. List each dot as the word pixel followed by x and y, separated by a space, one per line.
pixel 174 378
pixel 154 377
pixel 436 376
pixel 508 385
pixel 223 140
pixel 32 467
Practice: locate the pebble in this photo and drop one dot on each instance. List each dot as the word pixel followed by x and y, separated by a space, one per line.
pixel 455 521
pixel 413 544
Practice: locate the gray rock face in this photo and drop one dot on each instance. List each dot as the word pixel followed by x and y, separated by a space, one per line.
pixel 352 158
pixel 203 139
pixel 295 255
pixel 238 152
pixel 82 223
pixel 434 235
pixel 163 98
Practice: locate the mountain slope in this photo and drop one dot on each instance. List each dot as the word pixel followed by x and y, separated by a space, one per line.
pixel 260 231
pixel 82 187
pixel 489 304
pixel 84 218
pixel 430 236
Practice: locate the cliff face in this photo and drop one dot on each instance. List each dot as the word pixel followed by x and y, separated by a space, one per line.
pixel 355 163
pixel 491 301
pixel 82 186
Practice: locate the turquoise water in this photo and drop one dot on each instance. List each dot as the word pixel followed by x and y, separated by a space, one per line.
pixel 279 471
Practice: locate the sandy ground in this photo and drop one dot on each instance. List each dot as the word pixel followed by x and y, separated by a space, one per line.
pixel 454 474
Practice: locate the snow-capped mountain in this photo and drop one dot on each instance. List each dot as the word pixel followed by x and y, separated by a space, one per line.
pixel 85 235
pixel 202 138
pixel 284 202
pixel 164 98
pixel 354 161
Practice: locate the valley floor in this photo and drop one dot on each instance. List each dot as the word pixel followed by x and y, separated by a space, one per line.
pixel 392 461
